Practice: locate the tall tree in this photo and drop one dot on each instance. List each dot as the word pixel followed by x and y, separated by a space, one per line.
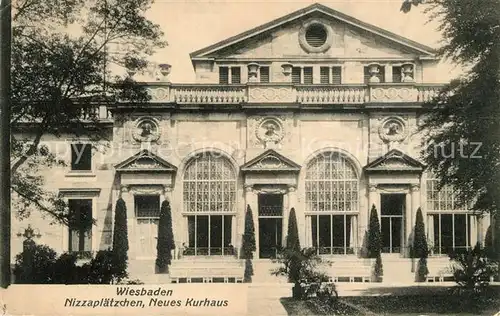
pixel 420 249
pixel 461 134
pixel 63 58
pixel 248 244
pixel 294 253
pixel 165 243
pixel 120 240
pixel 374 238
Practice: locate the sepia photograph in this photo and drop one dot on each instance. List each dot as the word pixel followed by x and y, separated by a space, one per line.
pixel 237 157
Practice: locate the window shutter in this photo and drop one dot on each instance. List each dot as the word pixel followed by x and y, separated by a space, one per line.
pixel 324 73
pixel 337 75
pixel 223 75
pixel 235 75
pixel 264 74
pixel 308 75
pixel 396 74
pixel 381 74
pixel 296 75
pixel 366 75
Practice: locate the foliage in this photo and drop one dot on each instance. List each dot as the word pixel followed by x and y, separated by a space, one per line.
pixel 64 56
pixel 43 266
pixel 120 239
pixel 248 244
pixel 378 269
pixel 35 265
pixel 165 243
pixel 472 269
pixel 420 248
pixel 293 253
pixel 460 133
pixel 308 269
pixel 374 236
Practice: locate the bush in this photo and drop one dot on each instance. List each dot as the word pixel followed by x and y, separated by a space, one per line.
pixel 165 243
pixel 472 269
pixel 420 248
pixel 35 265
pixel 120 239
pixel 248 244
pixel 300 267
pixel 374 238
pixel 47 268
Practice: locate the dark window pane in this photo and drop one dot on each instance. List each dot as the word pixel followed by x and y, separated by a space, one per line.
pixel 338 231
pixel 202 231
pixel 325 231
pixel 460 230
pixel 314 230
pixel 308 75
pixel 324 73
pixel 80 238
pixel 227 230
pixel 337 75
pixel 437 233
pixel 366 75
pixel 192 231
pixel 215 231
pixel 396 74
pixel 81 157
pixel 223 75
pixel 446 232
pixel 264 74
pixel 296 74
pixel 147 205
pixel 235 75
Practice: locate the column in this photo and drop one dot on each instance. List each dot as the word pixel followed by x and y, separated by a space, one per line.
pixel 127 196
pixel 301 74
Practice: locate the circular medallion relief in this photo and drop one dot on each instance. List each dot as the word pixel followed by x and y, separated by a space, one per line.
pixel 269 130
pixel 393 129
pixel 146 130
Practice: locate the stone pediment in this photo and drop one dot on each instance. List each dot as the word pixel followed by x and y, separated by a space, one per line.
pixel 347 37
pixel 145 161
pixel 270 160
pixel 395 160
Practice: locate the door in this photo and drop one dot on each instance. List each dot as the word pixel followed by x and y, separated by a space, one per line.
pixel 147 212
pixel 392 210
pixel 270 224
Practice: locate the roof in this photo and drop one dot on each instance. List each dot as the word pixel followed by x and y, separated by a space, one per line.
pixel 395 160
pixel 145 161
pixel 270 160
pixel 426 50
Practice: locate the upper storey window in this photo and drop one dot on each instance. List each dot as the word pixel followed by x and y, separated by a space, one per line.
pixel 331 75
pixel 316 35
pixel 229 75
pixel 81 157
pixel 302 75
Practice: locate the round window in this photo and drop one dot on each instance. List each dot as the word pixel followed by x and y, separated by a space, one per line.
pixel 316 35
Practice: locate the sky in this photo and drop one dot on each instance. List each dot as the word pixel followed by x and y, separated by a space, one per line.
pixel 192 25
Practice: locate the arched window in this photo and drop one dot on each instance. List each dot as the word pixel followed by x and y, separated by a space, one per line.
pixel 209 196
pixel 332 203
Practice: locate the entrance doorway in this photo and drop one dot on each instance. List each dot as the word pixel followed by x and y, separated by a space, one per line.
pixel 147 213
pixel 270 224
pixel 392 221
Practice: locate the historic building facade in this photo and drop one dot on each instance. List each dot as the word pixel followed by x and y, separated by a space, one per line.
pixel 315 111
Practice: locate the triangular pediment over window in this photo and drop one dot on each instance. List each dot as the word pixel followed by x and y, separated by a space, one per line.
pixel 348 37
pixel 270 160
pixel 145 161
pixel 395 160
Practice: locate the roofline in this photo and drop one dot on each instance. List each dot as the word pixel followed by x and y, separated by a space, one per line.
pixel 314 7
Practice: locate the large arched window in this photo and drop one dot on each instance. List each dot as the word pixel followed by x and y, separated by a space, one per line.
pixel 209 196
pixel 331 191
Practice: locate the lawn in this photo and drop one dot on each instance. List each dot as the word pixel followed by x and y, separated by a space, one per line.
pixel 430 304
